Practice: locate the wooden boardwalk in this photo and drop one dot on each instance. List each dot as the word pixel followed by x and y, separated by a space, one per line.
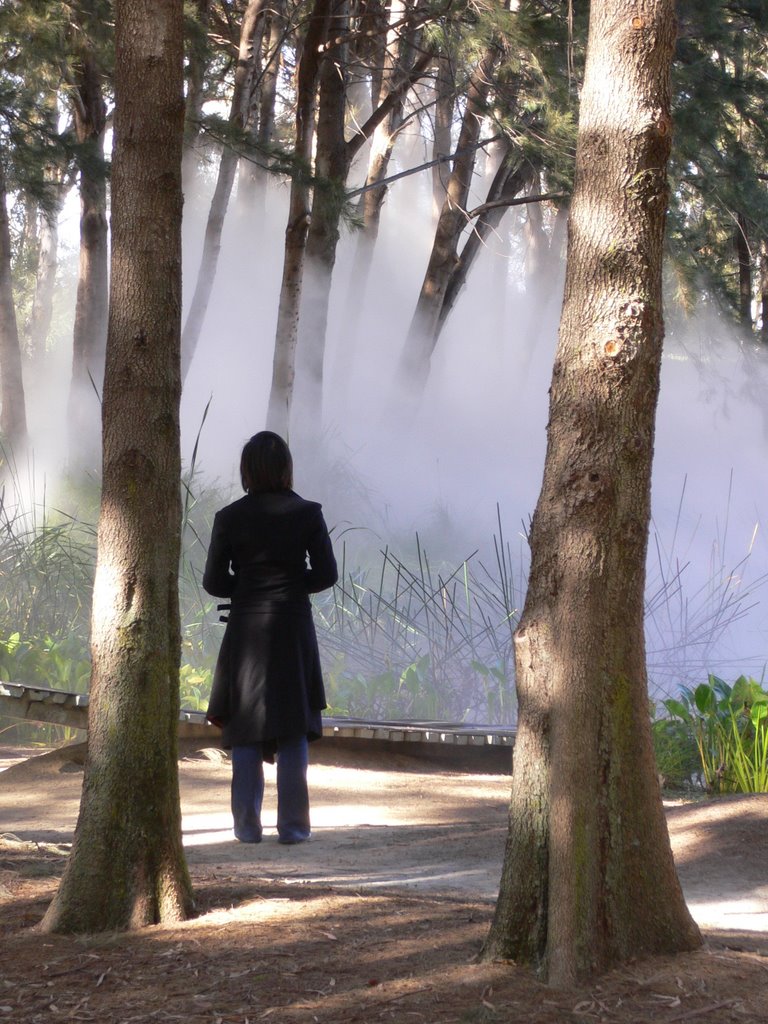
pixel 59 707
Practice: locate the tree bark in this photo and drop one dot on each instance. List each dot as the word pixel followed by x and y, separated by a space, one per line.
pixel 413 368
pixel 127 867
pixel 230 156
pixel 588 878
pixel 13 412
pixel 445 100
pixel 90 329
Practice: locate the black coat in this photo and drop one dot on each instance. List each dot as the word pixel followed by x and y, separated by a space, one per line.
pixel 268 684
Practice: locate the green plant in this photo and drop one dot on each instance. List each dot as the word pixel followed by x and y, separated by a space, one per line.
pixel 729 726
pixel 677 756
pixel 61 664
pixel 195 687
pixel 749 760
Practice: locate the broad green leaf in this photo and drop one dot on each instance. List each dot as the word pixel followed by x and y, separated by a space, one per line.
pixel 704 698
pixel 676 708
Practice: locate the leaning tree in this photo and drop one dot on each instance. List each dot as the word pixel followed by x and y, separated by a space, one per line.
pixel 588 877
pixel 127 866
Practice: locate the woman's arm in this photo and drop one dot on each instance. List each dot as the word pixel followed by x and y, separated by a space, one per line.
pixel 217 579
pixel 322 572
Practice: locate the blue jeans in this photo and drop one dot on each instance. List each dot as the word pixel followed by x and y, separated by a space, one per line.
pixel 292 792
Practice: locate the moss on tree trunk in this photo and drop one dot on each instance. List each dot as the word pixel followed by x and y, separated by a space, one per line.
pixel 589 879
pixel 127 866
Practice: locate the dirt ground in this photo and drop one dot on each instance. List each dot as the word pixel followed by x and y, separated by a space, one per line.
pixel 378 918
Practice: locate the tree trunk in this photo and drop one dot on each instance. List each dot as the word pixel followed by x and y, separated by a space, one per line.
pixel 253 176
pixel 197 64
pixel 45 280
pixel 372 200
pixel 209 260
pixel 445 99
pixel 764 291
pixel 333 160
pixel 127 867
pixel 270 74
pixel 743 256
pixel 90 330
pixel 536 241
pixel 286 332
pixel 588 878
pixel 13 414
pixel 413 369
pixel 510 179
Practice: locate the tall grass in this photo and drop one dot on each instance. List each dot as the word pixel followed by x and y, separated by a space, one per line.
pixel 47 562
pixel 402 635
pixel 422 641
pixel 47 566
pixel 692 609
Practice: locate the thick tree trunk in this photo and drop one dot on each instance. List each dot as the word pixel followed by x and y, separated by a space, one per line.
pixel 413 368
pixel 209 260
pixel 588 877
pixel 13 413
pixel 90 330
pixel 127 865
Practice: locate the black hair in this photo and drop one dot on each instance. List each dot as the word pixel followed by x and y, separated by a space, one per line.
pixel 266 464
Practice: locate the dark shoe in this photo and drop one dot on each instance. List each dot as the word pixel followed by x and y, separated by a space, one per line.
pixel 293 840
pixel 248 837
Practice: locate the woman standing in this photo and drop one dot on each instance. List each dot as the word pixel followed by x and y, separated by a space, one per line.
pixel 268 690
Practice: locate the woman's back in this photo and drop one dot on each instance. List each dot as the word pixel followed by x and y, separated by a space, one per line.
pixel 266 537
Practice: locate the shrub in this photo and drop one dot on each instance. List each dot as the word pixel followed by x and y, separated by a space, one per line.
pixel 729 727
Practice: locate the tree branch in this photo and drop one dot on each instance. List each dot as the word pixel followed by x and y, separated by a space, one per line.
pixel 415 170
pixel 406 22
pixel 366 130
pixel 519 201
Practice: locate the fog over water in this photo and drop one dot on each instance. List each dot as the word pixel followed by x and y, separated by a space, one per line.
pixel 479 438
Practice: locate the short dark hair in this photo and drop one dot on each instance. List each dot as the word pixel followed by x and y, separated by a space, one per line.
pixel 266 464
